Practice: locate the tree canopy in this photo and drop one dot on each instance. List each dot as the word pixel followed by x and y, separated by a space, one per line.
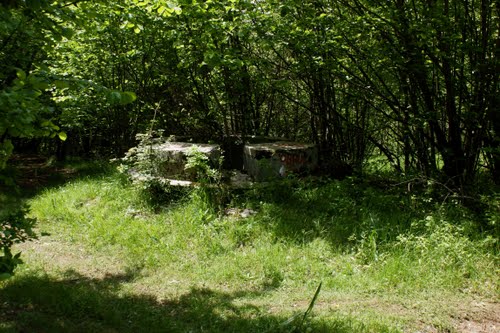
pixel 413 81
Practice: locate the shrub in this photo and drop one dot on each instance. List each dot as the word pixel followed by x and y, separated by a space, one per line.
pixel 211 192
pixel 143 166
pixel 15 227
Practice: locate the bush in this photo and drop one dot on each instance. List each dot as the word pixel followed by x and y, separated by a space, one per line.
pixel 15 227
pixel 211 193
pixel 143 166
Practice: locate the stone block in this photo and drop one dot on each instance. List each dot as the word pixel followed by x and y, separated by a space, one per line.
pixel 268 161
pixel 172 157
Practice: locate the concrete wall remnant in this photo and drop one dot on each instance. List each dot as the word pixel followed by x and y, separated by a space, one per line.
pixel 253 159
pixel 267 161
pixel 173 157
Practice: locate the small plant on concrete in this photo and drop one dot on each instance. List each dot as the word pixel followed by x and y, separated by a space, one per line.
pixel 199 165
pixel 211 191
pixel 143 167
pixel 141 159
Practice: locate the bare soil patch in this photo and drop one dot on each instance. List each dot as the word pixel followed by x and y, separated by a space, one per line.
pixel 479 317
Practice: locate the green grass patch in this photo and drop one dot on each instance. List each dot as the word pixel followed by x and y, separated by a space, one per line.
pixel 386 259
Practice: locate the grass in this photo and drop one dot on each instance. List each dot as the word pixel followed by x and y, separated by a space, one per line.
pixel 388 261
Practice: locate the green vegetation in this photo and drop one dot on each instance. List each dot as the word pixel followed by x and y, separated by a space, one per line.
pixel 388 260
pixel 401 99
pixel 412 82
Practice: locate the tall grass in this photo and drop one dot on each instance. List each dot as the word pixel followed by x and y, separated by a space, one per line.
pixel 362 241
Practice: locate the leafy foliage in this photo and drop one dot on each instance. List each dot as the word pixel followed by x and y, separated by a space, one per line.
pixel 142 166
pixel 211 192
pixel 15 227
pixel 31 35
pixel 413 83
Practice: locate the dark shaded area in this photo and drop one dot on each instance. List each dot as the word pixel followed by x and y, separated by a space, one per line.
pixel 232 146
pixel 81 304
pixel 32 173
pixel 345 211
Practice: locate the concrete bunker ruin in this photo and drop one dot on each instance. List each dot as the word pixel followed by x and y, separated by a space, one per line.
pixel 252 160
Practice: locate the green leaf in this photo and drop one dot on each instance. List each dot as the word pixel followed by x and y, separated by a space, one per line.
pixel 39 84
pixel 161 10
pixel 5 276
pixel 60 84
pixel 114 96
pixel 128 97
pixel 165 11
pixel 62 135
pixel 21 74
pixel 121 97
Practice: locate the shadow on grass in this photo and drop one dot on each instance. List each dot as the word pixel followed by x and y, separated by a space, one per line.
pixel 81 304
pixel 338 211
pixel 33 173
pixel 37 173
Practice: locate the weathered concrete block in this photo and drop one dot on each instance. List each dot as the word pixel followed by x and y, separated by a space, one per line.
pixel 267 161
pixel 232 146
pixel 172 157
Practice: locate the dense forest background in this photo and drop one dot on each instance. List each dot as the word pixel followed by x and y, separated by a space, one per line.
pixel 413 84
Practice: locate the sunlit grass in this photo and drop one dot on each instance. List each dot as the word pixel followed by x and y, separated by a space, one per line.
pixel 376 251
